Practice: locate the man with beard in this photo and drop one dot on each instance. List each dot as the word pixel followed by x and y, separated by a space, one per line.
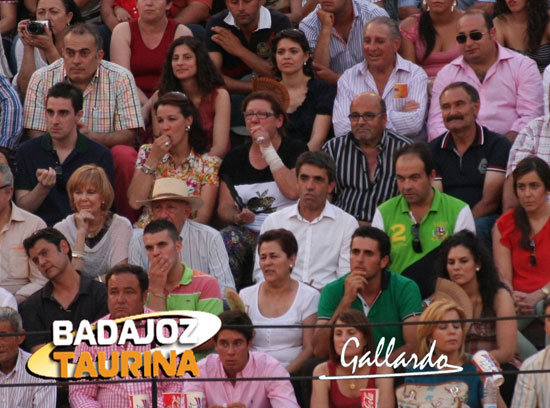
pixel 470 160
pixel 365 176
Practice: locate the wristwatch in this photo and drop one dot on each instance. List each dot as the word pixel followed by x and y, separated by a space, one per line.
pixel 147 169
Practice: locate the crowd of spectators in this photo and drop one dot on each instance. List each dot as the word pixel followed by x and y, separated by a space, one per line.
pixel 335 162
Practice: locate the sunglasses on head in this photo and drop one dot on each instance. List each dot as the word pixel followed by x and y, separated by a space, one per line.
pixel 533 256
pixel 474 36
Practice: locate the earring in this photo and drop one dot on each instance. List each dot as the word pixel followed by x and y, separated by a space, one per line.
pixel 477 268
pixel 425 5
pixel 187 128
pixel 291 266
pixel 453 7
pixel 305 63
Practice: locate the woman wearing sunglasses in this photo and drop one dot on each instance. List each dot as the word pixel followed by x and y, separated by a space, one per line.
pixel 521 241
pixel 178 151
pixel 524 26
pixel 257 179
pixel 429 37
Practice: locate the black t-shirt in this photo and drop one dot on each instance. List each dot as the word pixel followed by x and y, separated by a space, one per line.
pixel 257 188
pixel 319 101
pixel 260 42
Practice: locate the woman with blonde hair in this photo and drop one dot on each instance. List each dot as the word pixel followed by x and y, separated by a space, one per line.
pixel 99 238
pixel 447 338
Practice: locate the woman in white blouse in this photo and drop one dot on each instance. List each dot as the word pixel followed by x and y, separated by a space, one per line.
pixel 99 239
pixel 281 300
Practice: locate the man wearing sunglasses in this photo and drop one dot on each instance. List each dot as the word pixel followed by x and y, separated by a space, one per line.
pixel 509 84
pixel 420 218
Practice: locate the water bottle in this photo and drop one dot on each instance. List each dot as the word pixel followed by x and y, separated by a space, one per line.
pixel 490 393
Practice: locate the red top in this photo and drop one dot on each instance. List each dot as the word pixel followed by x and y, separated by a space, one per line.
pixel 207 111
pixel 145 63
pixel 339 400
pixel 526 278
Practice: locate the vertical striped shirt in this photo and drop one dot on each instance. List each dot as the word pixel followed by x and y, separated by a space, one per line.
pixel 38 396
pixel 354 193
pixel 11 115
pixel 532 390
pixel 111 101
pixel 358 79
pixel 343 55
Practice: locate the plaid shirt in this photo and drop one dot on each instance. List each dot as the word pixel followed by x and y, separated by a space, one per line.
pixel 111 101
pixel 116 395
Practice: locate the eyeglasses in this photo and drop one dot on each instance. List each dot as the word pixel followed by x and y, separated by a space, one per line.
pixel 533 256
pixel 257 115
pixel 367 116
pixel 474 36
pixel 417 245
pixel 5 186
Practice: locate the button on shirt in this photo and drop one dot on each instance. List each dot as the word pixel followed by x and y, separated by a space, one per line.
pixel 320 260
pixel 511 93
pixel 37 396
pixel 111 101
pixel 253 394
pixel 343 55
pixel 358 79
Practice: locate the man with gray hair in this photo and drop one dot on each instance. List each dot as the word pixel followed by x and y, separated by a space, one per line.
pixel 17 273
pixel 402 84
pixel 13 361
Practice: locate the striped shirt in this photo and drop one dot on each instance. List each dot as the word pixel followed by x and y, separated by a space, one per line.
pixel 11 113
pixel 354 193
pixel 533 140
pixel 117 395
pixel 358 79
pixel 111 101
pixel 532 390
pixel 39 396
pixel 343 55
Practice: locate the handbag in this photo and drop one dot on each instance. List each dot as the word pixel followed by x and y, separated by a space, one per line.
pixel 449 394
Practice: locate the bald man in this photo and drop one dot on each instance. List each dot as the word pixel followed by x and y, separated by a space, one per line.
pixel 365 176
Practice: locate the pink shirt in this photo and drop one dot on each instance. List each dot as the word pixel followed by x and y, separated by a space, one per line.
pixel 511 94
pixel 115 395
pixel 253 394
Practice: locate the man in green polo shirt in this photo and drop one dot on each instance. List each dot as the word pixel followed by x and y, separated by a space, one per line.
pixel 420 218
pixel 384 296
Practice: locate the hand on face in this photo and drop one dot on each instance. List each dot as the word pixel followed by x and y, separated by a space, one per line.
pixel 82 219
pixel 260 135
pixel 326 18
pixel 160 147
pixel 160 266
pixel 354 283
pixel 46 177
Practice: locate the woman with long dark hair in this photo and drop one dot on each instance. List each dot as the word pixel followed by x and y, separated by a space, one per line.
pixel 188 69
pixel 346 393
pixel 311 100
pixel 429 38
pixel 524 26
pixel 178 151
pixel 464 260
pixel 33 51
pixel 521 240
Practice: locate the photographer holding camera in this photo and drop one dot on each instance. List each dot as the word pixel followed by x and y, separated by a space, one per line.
pixel 41 41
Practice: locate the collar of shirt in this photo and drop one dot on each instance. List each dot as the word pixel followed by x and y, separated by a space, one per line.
pixel 328 211
pixel 401 64
pixel 81 145
pixel 187 275
pixel 436 202
pixel 503 54
pixel 167 158
pixel 264 22
pixel 448 142
pixel 85 283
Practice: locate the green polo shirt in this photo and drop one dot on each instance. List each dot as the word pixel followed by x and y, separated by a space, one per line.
pixel 399 299
pixel 445 216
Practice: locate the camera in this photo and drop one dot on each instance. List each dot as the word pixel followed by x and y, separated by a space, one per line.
pixel 38 27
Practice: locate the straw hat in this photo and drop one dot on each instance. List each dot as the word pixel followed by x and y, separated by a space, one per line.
pixel 168 188
pixel 448 290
